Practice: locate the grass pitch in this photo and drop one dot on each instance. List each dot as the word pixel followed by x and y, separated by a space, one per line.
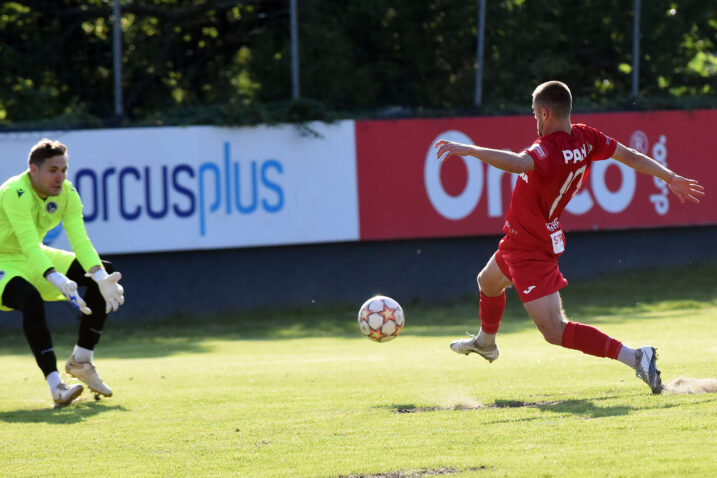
pixel 300 393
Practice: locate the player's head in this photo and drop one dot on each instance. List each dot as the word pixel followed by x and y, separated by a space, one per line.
pixel 552 99
pixel 48 167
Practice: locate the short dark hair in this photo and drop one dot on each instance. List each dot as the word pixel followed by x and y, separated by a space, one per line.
pixel 554 95
pixel 44 149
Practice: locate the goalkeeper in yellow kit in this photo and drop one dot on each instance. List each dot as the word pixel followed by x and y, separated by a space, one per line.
pixel 31 204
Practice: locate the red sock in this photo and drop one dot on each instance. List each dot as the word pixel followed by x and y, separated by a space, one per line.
pixel 590 340
pixel 491 311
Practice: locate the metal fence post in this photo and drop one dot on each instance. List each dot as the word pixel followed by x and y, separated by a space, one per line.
pixel 117 58
pixel 294 49
pixel 636 49
pixel 479 54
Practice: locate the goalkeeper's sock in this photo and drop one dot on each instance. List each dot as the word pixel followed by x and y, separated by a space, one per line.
pixel 83 355
pixel 53 380
pixel 627 356
pixel 491 311
pixel 590 340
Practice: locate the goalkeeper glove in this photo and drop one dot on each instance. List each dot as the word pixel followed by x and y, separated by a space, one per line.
pixel 68 288
pixel 111 290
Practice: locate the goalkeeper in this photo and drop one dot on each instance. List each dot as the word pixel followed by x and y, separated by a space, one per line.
pixel 31 204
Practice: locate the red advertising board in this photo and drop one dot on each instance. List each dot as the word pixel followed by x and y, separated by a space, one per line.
pixel 405 192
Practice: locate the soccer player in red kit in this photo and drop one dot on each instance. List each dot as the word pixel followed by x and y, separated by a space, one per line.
pixel 551 172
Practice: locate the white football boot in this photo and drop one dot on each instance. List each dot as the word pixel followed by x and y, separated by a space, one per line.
pixel 646 368
pixel 467 346
pixel 87 373
pixel 64 394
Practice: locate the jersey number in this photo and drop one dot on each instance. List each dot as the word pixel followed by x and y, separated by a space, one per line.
pixel 566 186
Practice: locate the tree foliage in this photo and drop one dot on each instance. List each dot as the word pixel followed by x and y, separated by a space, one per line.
pixel 228 61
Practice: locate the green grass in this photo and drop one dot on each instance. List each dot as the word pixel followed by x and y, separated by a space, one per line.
pixel 266 394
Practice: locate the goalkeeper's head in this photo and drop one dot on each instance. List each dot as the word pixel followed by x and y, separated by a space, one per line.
pixel 45 149
pixel 47 163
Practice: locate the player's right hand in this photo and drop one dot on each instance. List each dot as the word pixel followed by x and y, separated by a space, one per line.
pixel 447 148
pixel 68 288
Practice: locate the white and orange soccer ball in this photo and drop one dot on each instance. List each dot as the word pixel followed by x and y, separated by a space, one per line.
pixel 381 318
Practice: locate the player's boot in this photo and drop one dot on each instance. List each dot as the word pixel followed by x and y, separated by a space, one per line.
pixel 466 346
pixel 646 368
pixel 87 373
pixel 64 394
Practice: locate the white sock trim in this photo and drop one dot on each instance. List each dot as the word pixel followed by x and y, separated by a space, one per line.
pixel 53 380
pixel 627 356
pixel 484 339
pixel 83 355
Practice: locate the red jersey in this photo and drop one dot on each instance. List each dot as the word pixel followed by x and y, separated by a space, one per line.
pixel 562 162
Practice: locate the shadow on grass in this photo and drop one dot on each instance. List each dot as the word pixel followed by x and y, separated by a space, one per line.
pixel 75 413
pixel 583 408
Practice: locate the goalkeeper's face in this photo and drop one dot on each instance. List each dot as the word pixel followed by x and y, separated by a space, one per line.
pixel 48 178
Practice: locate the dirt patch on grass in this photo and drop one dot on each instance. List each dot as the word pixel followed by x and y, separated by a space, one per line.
pixel 415 474
pixel 464 406
pixel 683 385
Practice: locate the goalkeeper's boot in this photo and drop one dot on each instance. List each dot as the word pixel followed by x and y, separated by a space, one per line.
pixel 646 368
pixel 64 394
pixel 87 373
pixel 466 346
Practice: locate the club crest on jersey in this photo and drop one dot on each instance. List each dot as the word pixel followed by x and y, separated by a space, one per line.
pixel 20 192
pixel 51 207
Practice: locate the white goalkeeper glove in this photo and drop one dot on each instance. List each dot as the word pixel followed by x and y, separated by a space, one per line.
pixel 68 288
pixel 111 290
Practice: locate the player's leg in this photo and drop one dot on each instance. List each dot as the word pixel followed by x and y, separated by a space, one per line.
pixel 492 283
pixel 91 326
pixel 19 294
pixel 80 363
pixel 548 315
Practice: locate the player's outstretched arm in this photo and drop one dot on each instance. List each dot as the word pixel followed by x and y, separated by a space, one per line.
pixel 505 160
pixel 685 189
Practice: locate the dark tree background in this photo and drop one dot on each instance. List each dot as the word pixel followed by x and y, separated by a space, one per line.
pixel 228 62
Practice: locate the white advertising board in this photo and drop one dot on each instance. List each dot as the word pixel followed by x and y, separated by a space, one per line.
pixel 170 188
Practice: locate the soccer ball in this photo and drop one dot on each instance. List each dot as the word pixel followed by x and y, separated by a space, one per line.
pixel 381 318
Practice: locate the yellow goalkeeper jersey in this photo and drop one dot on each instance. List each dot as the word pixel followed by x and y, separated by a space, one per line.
pixel 25 218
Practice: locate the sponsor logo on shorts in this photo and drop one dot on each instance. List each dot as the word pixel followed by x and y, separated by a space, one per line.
pixel 51 207
pixel 510 229
pixel 553 225
pixel 529 289
pixel 2 274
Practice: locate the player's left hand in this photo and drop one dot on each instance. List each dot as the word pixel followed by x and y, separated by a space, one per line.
pixel 110 288
pixel 686 189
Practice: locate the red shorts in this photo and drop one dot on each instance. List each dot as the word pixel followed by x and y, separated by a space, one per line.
pixel 534 273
